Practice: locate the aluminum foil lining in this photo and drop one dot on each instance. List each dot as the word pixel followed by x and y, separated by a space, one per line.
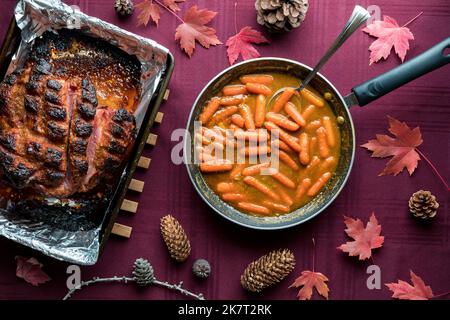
pixel 34 17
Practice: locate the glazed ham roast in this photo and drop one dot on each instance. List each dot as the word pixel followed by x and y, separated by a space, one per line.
pixel 66 116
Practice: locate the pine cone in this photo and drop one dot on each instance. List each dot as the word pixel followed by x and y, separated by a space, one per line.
pixel 281 15
pixel 423 205
pixel 268 270
pixel 201 268
pixel 124 8
pixel 175 238
pixel 143 272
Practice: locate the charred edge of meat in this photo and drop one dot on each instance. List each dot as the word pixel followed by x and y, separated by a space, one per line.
pixel 83 129
pixel 52 97
pixel 115 147
pixel 81 166
pixel 111 164
pixel 31 104
pixel 42 67
pixel 53 157
pixel 8 141
pixel 34 149
pixel 88 92
pixel 56 112
pixel 56 132
pixel 17 175
pixel 123 115
pixel 53 84
pixel 33 83
pixel 54 177
pixel 116 130
pixel 79 146
pixel 11 79
pixel 86 111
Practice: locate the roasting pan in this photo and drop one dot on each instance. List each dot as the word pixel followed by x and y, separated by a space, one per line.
pixel 7 50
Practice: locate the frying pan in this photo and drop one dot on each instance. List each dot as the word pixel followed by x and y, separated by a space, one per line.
pixel 360 95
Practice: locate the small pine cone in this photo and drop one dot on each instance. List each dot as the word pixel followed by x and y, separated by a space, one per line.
pixel 423 205
pixel 175 238
pixel 201 268
pixel 268 270
pixel 124 8
pixel 281 15
pixel 143 273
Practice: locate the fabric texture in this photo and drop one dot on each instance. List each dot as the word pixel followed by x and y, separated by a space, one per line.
pixel 229 248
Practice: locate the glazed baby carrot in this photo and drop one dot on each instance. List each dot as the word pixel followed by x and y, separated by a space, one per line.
pixel 237 170
pixel 260 110
pixel 246 113
pixel 203 155
pixel 258 88
pixel 282 145
pixel 290 140
pixel 312 98
pixel 291 110
pixel 276 206
pixel 324 150
pixel 331 138
pixel 209 110
pixel 314 125
pixel 284 180
pixel 313 164
pixel 255 183
pixel 227 187
pixel 257 78
pixel 233 90
pixel 285 197
pixel 218 165
pixel 256 135
pixel 327 163
pixel 223 114
pixel 302 188
pixel 238 120
pixel 308 111
pixel 284 97
pixel 255 150
pixel 254 170
pixel 304 152
pixel 233 127
pixel 234 197
pixel 232 100
pixel 288 160
pixel 319 184
pixel 312 146
pixel 282 121
pixel 202 139
pixel 253 208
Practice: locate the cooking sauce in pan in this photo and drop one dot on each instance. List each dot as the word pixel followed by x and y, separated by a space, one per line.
pixel 309 147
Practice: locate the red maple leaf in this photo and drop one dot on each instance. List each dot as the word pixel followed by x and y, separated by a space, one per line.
pixel 404 291
pixel 366 239
pixel 308 281
pixel 148 11
pixel 31 271
pixel 389 35
pixel 241 44
pixel 194 29
pixel 402 147
pixel 173 4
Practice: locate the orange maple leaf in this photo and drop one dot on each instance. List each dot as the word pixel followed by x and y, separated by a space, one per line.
pixel 402 147
pixel 404 291
pixel 194 29
pixel 366 239
pixel 148 11
pixel 309 280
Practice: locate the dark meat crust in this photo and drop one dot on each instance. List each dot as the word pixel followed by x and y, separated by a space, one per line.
pixel 50 138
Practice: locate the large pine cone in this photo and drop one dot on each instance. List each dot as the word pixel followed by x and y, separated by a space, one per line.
pixel 268 270
pixel 175 238
pixel 423 205
pixel 281 15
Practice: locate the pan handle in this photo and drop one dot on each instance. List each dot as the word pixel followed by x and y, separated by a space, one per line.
pixel 379 86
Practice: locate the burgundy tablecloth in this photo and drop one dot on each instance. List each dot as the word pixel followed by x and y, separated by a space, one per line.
pixel 229 248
